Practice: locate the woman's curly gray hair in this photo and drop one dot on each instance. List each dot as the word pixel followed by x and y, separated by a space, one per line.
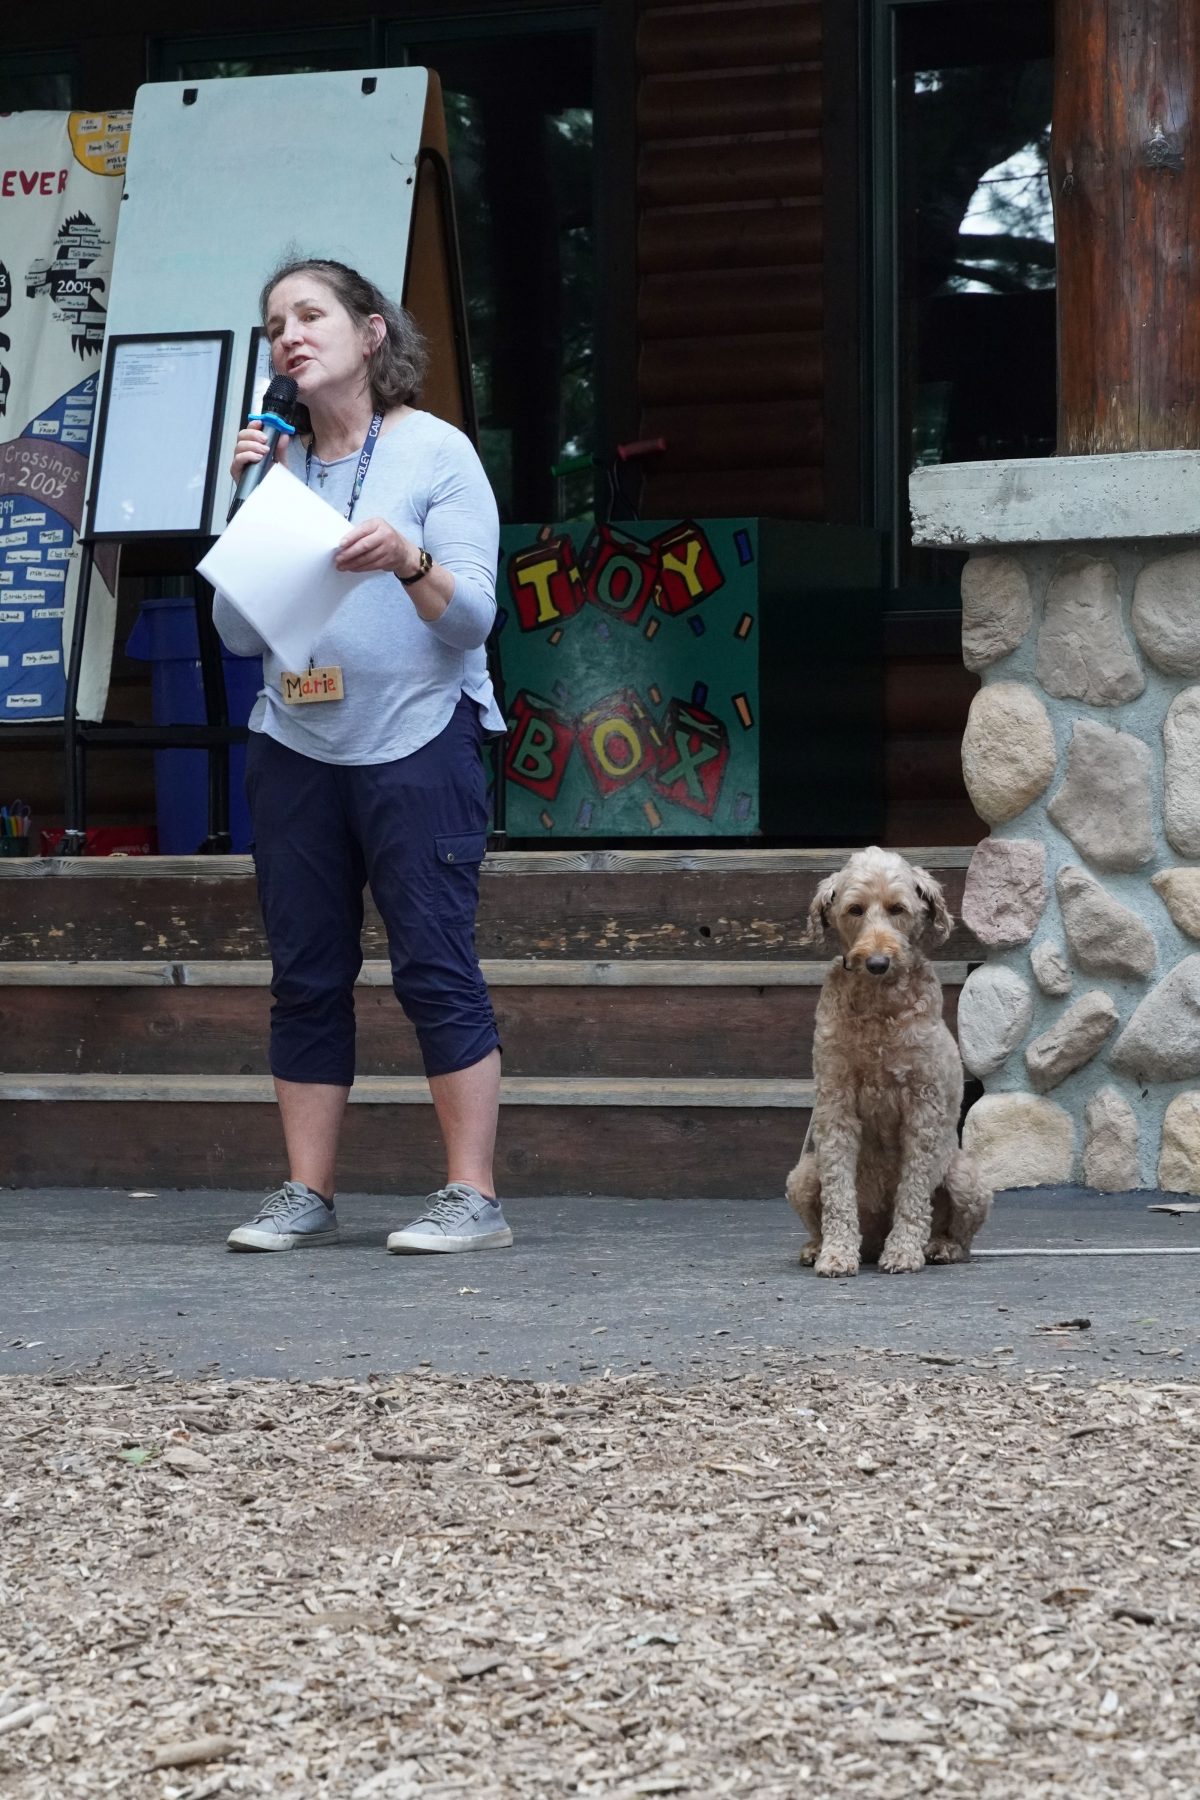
pixel 397 365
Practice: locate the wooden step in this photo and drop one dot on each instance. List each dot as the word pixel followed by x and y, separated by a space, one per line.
pixel 656 1007
pixel 669 1138
pixel 701 905
pixel 648 1019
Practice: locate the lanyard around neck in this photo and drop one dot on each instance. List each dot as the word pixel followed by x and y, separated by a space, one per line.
pixel 364 462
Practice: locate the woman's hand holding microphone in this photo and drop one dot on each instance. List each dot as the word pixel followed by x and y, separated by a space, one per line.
pixel 251 445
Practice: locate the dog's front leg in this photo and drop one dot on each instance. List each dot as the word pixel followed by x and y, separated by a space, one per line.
pixel 839 1138
pixel 922 1162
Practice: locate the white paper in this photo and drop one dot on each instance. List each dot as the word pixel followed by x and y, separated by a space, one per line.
pixel 275 562
pixel 153 479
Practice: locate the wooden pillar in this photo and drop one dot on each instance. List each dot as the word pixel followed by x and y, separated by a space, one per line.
pixel 1125 176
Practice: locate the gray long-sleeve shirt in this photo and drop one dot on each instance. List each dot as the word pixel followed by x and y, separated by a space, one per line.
pixel 402 677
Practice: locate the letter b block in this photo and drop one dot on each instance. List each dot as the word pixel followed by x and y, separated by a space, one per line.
pixel 539 745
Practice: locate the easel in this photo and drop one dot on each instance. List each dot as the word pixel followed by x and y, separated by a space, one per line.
pixel 168 119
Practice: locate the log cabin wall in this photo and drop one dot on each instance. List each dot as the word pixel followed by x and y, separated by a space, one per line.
pixel 748 313
pixel 730 304
pixel 743 324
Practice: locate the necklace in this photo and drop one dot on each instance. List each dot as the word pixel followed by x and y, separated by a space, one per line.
pixel 364 461
pixel 323 468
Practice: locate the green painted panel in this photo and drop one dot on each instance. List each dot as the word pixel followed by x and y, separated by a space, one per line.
pixel 631 673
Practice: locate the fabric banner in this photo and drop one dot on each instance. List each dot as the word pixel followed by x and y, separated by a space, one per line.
pixel 61 179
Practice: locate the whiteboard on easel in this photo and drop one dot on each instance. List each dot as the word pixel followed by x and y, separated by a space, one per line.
pixel 226 180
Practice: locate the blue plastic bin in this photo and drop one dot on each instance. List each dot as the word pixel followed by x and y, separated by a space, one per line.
pixel 165 636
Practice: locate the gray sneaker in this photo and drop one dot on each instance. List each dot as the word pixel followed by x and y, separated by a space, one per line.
pixel 457 1217
pixel 293 1216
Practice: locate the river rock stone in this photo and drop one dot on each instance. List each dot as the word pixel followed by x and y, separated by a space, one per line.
pixel 1166 612
pixel 994 1013
pixel 997 609
pixel 1181 775
pixel 1071 1041
pixel 1020 1141
pixel 1179 1161
pixel 1083 652
pixel 1005 891
pixel 1110 1143
pixel 1104 804
pixel 1008 752
pixel 1162 1040
pixel 1105 937
pixel 1180 893
pixel 1051 970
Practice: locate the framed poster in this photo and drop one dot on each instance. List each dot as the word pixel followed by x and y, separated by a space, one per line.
pixel 157 434
pixel 259 373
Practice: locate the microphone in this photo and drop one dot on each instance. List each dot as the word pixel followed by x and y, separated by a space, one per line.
pixel 277 419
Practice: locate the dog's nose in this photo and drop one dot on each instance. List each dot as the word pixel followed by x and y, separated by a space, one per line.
pixel 878 965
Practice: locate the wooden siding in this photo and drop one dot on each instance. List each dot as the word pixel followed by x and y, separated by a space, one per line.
pixel 729 254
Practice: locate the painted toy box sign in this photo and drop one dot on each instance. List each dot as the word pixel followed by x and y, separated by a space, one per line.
pixel 631 671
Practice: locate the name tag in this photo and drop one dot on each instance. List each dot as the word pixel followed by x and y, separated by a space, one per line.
pixel 311 686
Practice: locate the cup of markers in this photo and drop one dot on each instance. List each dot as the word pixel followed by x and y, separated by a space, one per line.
pixel 14 829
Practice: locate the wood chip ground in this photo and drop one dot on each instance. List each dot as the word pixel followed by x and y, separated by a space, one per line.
pixel 812 1581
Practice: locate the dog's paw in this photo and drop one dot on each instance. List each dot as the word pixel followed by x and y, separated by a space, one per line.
pixel 901 1258
pixel 945 1250
pixel 809 1253
pixel 833 1261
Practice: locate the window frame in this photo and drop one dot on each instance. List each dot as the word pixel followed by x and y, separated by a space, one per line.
pixel 20 64
pixel 612 26
pixel 885 467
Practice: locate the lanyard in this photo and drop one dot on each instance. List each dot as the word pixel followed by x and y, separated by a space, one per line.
pixel 364 462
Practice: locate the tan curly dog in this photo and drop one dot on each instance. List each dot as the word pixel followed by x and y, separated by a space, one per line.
pixel 886 1181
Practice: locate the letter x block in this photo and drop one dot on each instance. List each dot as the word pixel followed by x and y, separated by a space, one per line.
pixel 539 745
pixel 692 758
pixel 545 583
pixel 689 572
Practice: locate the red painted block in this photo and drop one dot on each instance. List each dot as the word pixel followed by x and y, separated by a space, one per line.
pixel 620 574
pixel 692 758
pixel 618 740
pixel 688 569
pixel 539 745
pixel 545 583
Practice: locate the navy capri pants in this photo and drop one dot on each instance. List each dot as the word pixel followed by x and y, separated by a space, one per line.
pixel 415 829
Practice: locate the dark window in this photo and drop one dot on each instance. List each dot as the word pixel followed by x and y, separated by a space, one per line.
pixel 523 181
pixel 966 298
pixel 33 82
pixel 212 58
pixel 518 93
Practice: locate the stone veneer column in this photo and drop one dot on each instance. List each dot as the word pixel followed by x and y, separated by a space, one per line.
pixel 1081 614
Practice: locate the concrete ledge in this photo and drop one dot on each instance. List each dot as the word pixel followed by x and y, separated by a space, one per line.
pixel 526 972
pixel 1057 499
pixel 412 1090
pixel 725 860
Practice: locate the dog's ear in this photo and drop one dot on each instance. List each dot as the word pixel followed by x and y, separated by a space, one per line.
pixel 818 913
pixel 939 923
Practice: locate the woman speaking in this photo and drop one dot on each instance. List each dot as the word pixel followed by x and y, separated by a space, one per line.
pixel 379 781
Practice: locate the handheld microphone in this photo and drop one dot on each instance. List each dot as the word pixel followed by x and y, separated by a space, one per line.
pixel 277 419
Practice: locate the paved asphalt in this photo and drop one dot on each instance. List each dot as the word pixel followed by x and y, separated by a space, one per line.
pixel 100 1278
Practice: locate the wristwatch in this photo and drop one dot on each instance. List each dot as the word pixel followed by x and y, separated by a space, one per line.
pixel 424 564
